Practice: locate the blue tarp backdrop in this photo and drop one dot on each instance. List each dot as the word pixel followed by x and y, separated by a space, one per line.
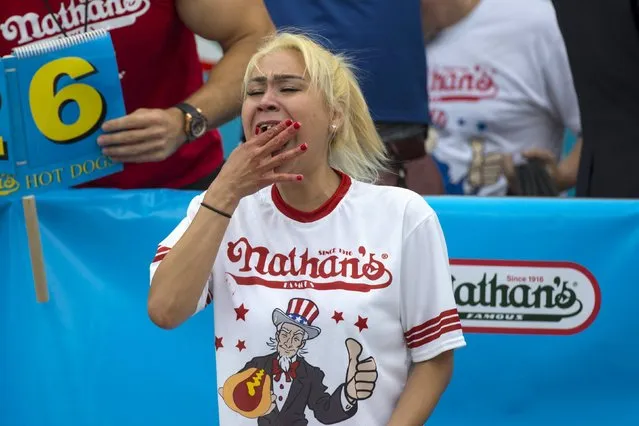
pixel 91 357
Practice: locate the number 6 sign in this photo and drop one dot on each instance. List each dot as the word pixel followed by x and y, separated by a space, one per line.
pixel 47 104
pixel 54 97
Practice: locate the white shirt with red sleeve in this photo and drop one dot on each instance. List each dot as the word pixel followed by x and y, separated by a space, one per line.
pixel 304 300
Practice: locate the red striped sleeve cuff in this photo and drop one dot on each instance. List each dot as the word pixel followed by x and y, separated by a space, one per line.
pixel 433 329
pixel 160 253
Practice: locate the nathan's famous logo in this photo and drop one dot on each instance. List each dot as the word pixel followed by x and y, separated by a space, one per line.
pixel 331 269
pixel 8 184
pixel 461 83
pixel 524 297
pixel 70 19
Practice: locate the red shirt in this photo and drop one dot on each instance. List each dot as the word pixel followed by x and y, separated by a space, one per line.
pixel 158 57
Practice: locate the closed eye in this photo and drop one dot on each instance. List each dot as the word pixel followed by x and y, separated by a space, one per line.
pixel 256 92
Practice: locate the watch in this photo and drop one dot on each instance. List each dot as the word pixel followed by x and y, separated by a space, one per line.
pixel 195 124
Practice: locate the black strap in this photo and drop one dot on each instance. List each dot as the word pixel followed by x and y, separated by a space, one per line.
pixel 188 109
pixel 213 209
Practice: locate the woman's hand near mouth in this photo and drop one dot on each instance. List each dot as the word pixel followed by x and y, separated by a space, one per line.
pixel 251 166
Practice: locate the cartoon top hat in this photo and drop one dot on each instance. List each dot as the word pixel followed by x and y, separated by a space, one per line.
pixel 302 313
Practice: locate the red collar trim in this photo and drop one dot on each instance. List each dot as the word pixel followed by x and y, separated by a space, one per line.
pixel 322 211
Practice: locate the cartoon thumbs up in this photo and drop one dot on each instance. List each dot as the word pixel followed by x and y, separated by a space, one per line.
pixel 361 375
pixel 354 349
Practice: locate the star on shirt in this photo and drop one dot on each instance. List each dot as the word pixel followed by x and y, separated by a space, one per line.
pixel 337 316
pixel 218 343
pixel 240 313
pixel 361 323
pixel 240 345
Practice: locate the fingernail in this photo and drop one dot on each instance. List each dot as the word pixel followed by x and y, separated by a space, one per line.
pixel 296 125
pixel 289 122
pixel 299 177
pixel 303 147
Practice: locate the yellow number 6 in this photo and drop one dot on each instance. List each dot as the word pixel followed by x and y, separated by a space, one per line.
pixel 4 155
pixel 46 103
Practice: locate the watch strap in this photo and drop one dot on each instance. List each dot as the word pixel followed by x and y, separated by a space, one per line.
pixel 188 109
pixel 195 114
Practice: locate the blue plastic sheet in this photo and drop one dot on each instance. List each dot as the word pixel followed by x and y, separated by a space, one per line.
pixel 91 357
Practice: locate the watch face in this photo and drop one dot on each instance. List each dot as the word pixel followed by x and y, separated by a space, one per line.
pixel 198 127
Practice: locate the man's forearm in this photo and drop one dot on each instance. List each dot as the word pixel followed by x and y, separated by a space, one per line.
pixel 426 383
pixel 220 98
pixel 568 168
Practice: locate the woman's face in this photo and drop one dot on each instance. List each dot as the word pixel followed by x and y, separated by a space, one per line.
pixel 278 89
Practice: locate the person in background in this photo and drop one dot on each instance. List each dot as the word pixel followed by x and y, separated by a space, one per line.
pixel 169 138
pixel 602 39
pixel 319 279
pixel 501 92
pixel 383 40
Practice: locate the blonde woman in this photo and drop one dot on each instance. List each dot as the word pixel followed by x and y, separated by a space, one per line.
pixel 333 297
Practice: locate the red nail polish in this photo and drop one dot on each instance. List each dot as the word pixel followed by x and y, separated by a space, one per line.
pixel 303 147
pixel 289 122
pixel 296 125
pixel 299 177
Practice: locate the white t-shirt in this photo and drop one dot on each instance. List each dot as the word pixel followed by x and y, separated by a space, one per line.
pixel 303 300
pixel 499 82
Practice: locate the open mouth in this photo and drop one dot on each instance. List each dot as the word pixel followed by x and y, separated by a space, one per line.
pixel 263 127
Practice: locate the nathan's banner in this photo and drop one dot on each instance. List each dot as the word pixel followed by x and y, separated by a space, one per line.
pixel 54 97
pixel 547 291
pixel 525 297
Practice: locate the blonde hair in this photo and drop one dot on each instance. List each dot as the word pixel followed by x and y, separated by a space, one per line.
pixel 356 148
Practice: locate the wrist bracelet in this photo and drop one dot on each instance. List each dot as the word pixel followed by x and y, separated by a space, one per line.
pixel 213 209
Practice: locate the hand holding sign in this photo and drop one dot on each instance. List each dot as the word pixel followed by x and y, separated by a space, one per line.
pixel 146 135
pixel 361 375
